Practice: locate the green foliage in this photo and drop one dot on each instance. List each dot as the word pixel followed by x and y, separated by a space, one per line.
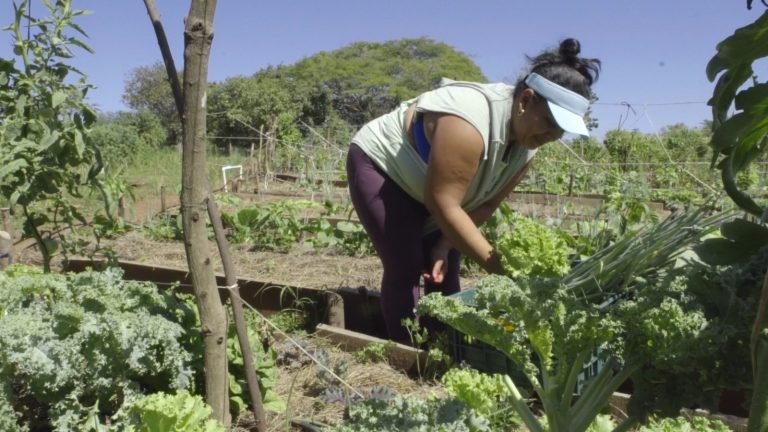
pixel 411 414
pixel 727 297
pixel 683 424
pixel 290 320
pixel 348 237
pixel 165 228
pixel 265 364
pixel 72 343
pixel 550 327
pixel 146 124
pixel 737 241
pixel 8 415
pixel 267 101
pixel 627 207
pixel 478 390
pixel 118 145
pixel 45 153
pixel 180 412
pixel 275 226
pixel 743 137
pixel 367 79
pixel 628 147
pixel 147 90
pixel 528 247
pixel 372 353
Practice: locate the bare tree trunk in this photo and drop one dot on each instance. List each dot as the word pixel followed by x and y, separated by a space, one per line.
pixel 198 35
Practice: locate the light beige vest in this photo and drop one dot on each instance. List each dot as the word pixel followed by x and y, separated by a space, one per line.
pixel 487 107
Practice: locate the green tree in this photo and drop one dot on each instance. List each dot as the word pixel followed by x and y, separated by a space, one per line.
pixel 118 144
pixel 146 123
pixel 630 147
pixel 246 106
pixel 366 79
pixel 45 154
pixel 147 89
pixel 685 143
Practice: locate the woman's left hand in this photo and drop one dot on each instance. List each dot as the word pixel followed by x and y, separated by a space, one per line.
pixel 439 268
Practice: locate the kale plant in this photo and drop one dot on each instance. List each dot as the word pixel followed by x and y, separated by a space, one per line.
pixel 551 327
pixel 73 344
pixel 412 414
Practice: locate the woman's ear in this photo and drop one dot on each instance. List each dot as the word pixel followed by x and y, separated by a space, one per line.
pixel 525 99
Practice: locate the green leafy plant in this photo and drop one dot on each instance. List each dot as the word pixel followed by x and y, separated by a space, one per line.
pixel 486 394
pixel 45 154
pixel 132 339
pixel 739 140
pixel 373 353
pixel 275 226
pixel 551 327
pixel 743 137
pixel 684 424
pixel 180 412
pixel 527 247
pixel 164 227
pixel 412 414
pixel 348 237
pixel 265 363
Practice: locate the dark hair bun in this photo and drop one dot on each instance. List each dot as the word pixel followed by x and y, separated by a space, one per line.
pixel 569 50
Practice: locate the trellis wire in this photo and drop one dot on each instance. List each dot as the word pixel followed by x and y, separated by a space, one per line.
pixel 276 328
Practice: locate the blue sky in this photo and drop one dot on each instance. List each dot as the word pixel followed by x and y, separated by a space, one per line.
pixel 653 51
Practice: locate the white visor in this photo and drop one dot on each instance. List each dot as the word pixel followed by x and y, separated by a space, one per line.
pixel 568 107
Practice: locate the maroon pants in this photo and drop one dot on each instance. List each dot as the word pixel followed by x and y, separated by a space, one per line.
pixel 395 222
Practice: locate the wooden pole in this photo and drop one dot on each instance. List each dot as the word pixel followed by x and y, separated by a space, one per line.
pixel 163 207
pixel 237 308
pixel 5 216
pixel 121 207
pixel 165 50
pixel 6 250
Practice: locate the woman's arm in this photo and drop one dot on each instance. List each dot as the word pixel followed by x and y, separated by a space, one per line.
pixel 480 214
pixel 456 149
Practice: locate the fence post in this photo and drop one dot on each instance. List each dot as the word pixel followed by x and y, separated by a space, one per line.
pixel 162 199
pixel 5 217
pixel 6 250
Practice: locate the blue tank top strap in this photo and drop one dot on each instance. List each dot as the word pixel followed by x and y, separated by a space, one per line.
pixel 422 144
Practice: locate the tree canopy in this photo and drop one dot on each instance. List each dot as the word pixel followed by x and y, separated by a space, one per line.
pixel 355 84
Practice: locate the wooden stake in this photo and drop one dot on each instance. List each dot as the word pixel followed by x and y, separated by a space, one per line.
pixel 6 250
pixel 237 309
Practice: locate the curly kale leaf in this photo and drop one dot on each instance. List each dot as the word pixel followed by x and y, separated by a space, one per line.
pixel 412 414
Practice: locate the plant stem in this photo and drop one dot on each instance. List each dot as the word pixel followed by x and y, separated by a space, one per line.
pixel 39 239
pixel 596 396
pixel 573 377
pixel 521 407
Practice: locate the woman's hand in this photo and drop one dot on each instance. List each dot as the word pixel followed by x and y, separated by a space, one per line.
pixel 439 254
